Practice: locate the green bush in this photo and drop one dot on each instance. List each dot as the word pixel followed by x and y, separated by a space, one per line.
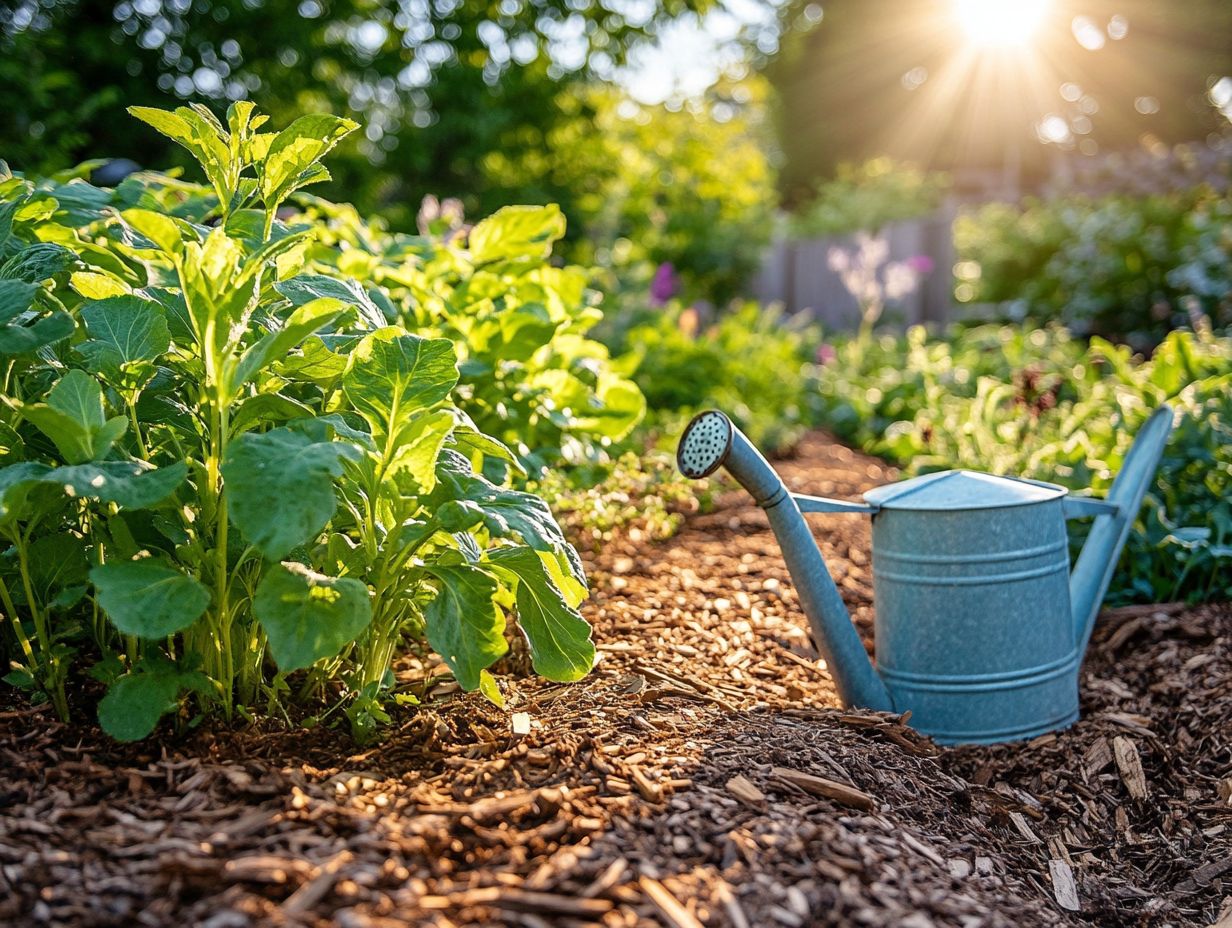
pixel 869 196
pixel 1125 268
pixel 226 460
pixel 1040 403
pixel 751 363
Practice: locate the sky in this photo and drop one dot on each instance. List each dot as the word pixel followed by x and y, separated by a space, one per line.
pixel 692 53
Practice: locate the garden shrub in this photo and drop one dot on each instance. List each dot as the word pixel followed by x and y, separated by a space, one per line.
pixel 752 363
pixel 1041 403
pixel 867 197
pixel 236 447
pixel 1125 268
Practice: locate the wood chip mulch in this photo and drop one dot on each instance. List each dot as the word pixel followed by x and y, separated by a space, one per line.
pixel 703 775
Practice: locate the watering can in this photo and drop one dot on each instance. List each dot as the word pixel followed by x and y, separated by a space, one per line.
pixel 981 625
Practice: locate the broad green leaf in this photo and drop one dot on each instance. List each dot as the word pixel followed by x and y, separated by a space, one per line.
pixel 507 513
pixel 308 616
pixel 23 339
pixel 80 397
pixel 123 329
pixel 392 374
pixel 470 440
pixel 35 263
pixel 130 484
pixel 16 297
pixel 419 446
pixel 314 363
pixel 266 408
pixel 521 233
pixel 558 636
pixel 58 565
pixel 303 321
pixel 73 417
pixel 136 701
pixel 95 286
pixel 464 625
pixel 280 485
pixel 158 228
pixel 16 482
pixel 305 288
pixel 147 598
pixel 289 162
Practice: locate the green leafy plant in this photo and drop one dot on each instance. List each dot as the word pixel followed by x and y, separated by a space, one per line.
pixel 1041 403
pixel 752 363
pixel 528 373
pixel 222 466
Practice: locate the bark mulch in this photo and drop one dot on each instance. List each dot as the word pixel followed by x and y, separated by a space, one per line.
pixel 703 775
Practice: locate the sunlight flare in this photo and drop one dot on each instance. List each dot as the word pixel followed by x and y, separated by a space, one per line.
pixel 1000 22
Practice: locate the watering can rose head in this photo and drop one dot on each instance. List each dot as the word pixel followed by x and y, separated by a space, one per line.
pixel 981 624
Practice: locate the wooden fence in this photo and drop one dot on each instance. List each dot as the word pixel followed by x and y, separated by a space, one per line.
pixel 797 273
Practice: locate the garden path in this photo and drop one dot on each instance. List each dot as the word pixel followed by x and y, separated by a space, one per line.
pixel 703 774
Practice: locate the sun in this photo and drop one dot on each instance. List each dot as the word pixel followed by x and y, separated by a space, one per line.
pixel 992 23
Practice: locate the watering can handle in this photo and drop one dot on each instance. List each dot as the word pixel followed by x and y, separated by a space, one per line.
pixel 825 504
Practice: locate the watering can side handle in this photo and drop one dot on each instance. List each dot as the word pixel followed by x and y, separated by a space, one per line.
pixel 1076 507
pixel 825 504
pixel 1096 563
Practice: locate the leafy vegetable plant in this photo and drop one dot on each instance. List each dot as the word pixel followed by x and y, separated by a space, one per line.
pixel 224 461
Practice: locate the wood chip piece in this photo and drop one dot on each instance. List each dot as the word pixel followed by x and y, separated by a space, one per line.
pixel 317 888
pixel 1020 822
pixel 521 723
pixel 830 789
pixel 1130 766
pixel 675 914
pixel 1063 885
pixel 743 789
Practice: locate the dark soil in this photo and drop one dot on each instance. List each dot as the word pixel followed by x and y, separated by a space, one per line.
pixel 703 774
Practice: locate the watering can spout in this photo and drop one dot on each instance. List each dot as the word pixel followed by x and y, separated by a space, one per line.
pixel 1114 518
pixel 711 441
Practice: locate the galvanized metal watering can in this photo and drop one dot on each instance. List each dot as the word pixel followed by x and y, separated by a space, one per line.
pixel 981 626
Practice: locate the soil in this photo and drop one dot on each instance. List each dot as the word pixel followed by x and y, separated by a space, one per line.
pixel 702 775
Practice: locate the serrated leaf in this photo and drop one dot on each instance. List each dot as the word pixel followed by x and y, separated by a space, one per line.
pixel 559 638
pixel 147 598
pixel 291 157
pixel 307 615
pixel 135 702
pixel 123 329
pixel 281 487
pixel 465 627
pixel 392 374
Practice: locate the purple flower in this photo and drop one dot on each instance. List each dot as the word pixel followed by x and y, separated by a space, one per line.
pixel 921 264
pixel 664 285
pixel 826 354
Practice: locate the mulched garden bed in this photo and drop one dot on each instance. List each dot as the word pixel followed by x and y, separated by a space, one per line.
pixel 702 775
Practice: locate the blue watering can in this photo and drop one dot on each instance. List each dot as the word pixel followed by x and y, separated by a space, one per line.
pixel 981 626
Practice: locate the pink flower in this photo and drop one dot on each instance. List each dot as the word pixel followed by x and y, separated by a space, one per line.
pixel 921 264
pixel 826 354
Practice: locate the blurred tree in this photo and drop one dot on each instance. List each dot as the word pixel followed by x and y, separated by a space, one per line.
pixel 439 85
pixel 863 78
pixel 691 186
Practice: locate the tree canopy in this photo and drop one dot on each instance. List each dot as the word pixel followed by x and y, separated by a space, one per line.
pixel 438 85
